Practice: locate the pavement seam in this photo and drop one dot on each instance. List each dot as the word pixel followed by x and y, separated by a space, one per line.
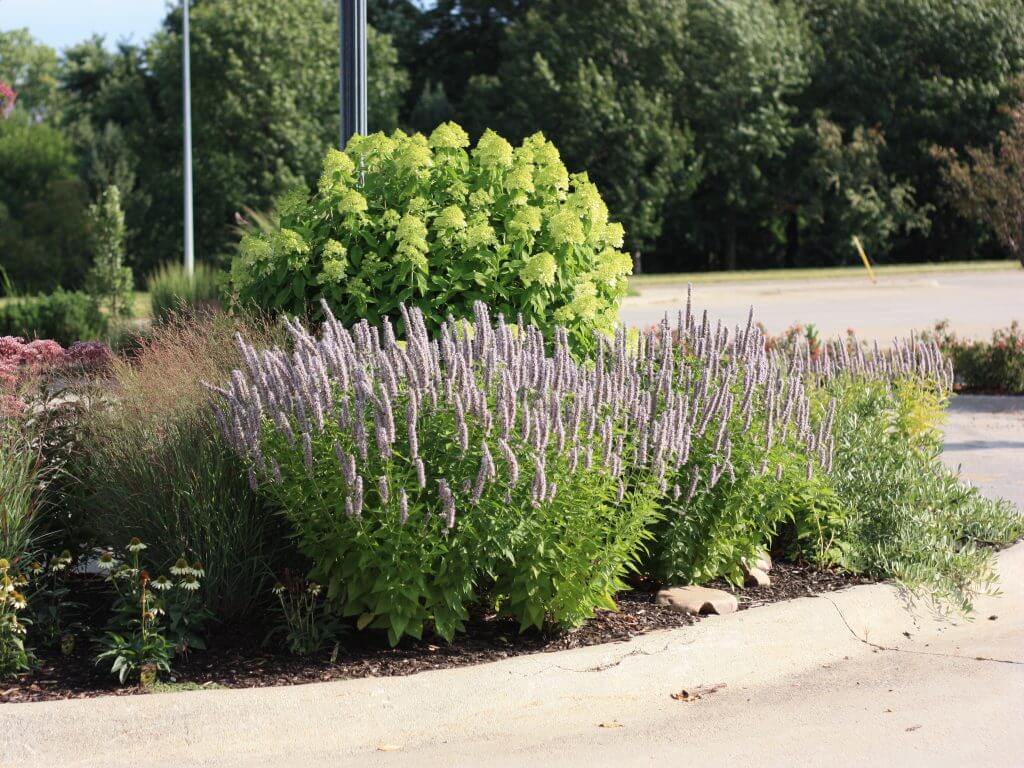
pixel 880 647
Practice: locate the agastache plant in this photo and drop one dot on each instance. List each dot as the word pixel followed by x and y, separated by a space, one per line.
pixel 437 446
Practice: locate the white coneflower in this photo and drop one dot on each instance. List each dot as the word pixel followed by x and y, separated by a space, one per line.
pixel 161 583
pixel 106 561
pixel 197 570
pixel 135 545
pixel 190 583
pixel 181 567
pixel 18 600
pixel 313 588
pixel 278 589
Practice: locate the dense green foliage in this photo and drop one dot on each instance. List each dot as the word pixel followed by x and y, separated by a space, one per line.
pixel 64 316
pixel 993 365
pixel 730 133
pixel 434 225
pixel 109 282
pixel 42 207
pixel 988 185
pixel 911 519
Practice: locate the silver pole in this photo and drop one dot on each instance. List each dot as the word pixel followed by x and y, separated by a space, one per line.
pixel 352 81
pixel 190 259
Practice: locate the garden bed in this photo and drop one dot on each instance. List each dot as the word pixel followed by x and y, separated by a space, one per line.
pixel 241 661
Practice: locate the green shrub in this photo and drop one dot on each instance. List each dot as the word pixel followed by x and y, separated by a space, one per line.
pixel 109 281
pixel 909 518
pixel 152 464
pixel 415 489
pixel 996 365
pixel 425 222
pixel 64 316
pixel 172 291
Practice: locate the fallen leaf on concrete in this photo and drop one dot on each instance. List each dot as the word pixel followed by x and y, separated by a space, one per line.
pixel 388 748
pixel 888 710
pixel 610 724
pixel 913 728
pixel 698 692
pixel 993 617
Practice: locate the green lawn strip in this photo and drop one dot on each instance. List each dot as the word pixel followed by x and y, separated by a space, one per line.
pixel 820 273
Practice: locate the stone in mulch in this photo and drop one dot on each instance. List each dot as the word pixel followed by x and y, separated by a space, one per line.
pixel 698 600
pixel 755 573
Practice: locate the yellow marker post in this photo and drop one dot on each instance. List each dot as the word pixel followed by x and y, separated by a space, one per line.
pixel 864 258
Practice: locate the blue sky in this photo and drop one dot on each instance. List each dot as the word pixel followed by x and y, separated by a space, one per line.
pixel 60 23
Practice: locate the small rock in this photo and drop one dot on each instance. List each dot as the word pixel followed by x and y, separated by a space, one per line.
pixel 763 562
pixel 696 600
pixel 755 577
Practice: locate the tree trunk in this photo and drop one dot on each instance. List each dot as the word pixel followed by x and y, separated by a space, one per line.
pixel 730 242
pixel 792 240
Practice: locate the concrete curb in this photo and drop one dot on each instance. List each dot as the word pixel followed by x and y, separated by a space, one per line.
pixel 542 695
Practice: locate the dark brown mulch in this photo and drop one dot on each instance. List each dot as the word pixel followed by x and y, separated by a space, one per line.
pixel 236 661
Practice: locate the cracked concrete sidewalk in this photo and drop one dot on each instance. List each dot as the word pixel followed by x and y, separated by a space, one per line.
pixel 843 679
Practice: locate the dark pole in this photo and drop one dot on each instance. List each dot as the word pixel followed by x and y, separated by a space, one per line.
pixel 352 86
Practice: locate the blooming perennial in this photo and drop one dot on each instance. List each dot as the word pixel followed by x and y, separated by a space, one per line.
pixel 431 223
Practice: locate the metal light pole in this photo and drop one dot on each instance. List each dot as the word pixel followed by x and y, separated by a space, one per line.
pixel 352 85
pixel 190 259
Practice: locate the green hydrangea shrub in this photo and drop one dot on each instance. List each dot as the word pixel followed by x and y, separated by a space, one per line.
pixel 435 225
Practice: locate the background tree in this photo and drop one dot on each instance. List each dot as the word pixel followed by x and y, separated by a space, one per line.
pixel 920 73
pixel 988 187
pixel 265 105
pixel 849 194
pixel 42 206
pixel 743 62
pixel 598 79
pixel 109 281
pixel 31 68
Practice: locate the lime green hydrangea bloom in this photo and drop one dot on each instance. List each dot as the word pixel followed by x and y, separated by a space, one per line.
pixel 390 218
pixel 564 315
pixel 451 218
pixel 552 176
pixel 335 251
pixel 373 148
pixel 418 205
pixel 492 151
pixel 333 271
pixel 413 157
pixel 539 268
pixel 337 171
pixel 478 234
pixel 449 136
pixel 351 202
pixel 611 265
pixel 412 233
pixel 525 220
pixel 521 178
pixel 254 260
pixel 481 198
pixel 289 244
pixel 614 234
pixel 566 228
pixel 585 307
